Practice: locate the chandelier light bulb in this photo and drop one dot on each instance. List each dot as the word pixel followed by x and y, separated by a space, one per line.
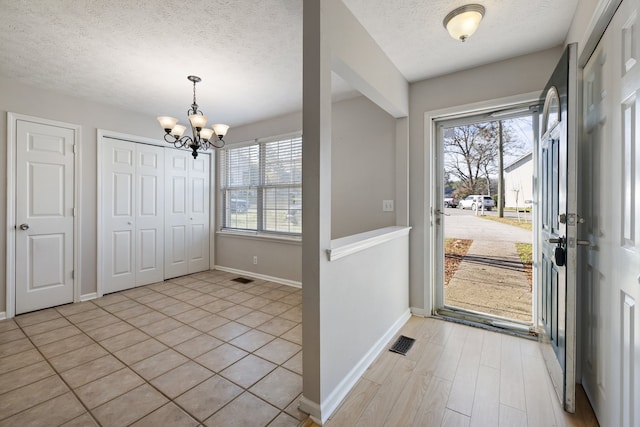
pixel 198 120
pixel 178 130
pixel 167 123
pixel 206 134
pixel 220 129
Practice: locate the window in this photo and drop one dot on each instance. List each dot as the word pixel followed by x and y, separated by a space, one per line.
pixel 261 186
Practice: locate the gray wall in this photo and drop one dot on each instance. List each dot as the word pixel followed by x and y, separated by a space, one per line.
pixel 18 98
pixel 512 77
pixel 362 167
pixel 363 175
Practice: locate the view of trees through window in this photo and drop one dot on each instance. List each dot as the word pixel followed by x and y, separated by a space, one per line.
pixel 472 154
pixel 261 187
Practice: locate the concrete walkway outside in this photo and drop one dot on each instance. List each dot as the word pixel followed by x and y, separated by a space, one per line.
pixel 491 279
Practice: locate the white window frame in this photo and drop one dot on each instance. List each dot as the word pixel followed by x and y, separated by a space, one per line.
pixel 261 228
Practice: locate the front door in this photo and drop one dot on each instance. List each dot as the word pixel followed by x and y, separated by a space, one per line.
pixel 556 276
pixel 44 215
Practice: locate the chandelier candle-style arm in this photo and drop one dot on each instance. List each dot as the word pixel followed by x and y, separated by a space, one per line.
pixel 202 137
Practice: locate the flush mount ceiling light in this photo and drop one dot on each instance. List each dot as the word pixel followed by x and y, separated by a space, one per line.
pixel 203 138
pixel 463 21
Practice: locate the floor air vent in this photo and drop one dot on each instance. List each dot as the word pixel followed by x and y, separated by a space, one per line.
pixel 242 280
pixel 402 345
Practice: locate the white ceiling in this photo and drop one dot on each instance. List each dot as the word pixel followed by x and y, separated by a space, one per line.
pixel 136 54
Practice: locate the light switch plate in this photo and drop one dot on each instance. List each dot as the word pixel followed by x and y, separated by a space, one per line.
pixel 387 206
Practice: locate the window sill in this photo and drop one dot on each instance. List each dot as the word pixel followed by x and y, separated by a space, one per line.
pixel 252 235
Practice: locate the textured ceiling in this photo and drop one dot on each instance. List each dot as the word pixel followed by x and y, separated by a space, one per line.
pixel 412 35
pixel 136 55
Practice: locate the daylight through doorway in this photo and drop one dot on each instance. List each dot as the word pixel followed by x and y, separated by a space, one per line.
pixel 487 215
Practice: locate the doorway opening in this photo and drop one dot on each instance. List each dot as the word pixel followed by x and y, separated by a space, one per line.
pixel 486 216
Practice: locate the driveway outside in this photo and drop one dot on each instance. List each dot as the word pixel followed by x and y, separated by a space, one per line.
pixel 464 224
pixel 491 278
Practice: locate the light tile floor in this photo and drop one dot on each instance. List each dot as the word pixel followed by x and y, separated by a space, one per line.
pixel 195 350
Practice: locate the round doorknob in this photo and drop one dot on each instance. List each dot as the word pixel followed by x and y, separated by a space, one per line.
pixel 24 226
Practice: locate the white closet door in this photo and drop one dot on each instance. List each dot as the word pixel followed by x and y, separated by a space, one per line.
pixel 149 220
pixel 133 216
pixel 118 205
pixel 186 213
pixel 198 199
pixel 176 223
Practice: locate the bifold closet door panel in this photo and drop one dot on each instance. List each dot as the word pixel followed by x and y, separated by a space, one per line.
pixel 118 206
pixel 133 214
pixel 149 219
pixel 199 193
pixel 188 186
pixel 176 211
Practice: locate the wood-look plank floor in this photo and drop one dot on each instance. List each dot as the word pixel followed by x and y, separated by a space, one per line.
pixel 457 375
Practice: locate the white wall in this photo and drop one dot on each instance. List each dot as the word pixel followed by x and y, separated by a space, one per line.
pixel 18 98
pixel 365 301
pixel 515 76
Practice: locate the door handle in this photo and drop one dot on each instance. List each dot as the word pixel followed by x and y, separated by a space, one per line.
pixel 439 212
pixel 583 243
pixel 24 226
pixel 558 240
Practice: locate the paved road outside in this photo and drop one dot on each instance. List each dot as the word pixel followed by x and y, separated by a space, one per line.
pixel 463 224
pixel 490 279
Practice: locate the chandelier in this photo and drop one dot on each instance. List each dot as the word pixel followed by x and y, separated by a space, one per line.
pixel 203 138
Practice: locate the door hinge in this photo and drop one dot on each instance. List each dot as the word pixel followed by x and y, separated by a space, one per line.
pixel 73 274
pixel 74 211
pixel 75 148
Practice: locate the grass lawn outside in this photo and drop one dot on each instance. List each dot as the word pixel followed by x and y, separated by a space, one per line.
pixel 525 251
pixel 510 221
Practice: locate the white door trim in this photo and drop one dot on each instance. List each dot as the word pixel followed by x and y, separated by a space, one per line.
pixel 432 295
pixel 12 118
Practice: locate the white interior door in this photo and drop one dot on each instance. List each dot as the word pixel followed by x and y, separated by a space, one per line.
pixel 44 215
pixel 611 365
pixel 187 213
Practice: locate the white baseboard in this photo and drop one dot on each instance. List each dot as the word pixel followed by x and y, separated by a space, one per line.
pixel 325 410
pixel 421 312
pixel 3 315
pixel 260 276
pixel 87 297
